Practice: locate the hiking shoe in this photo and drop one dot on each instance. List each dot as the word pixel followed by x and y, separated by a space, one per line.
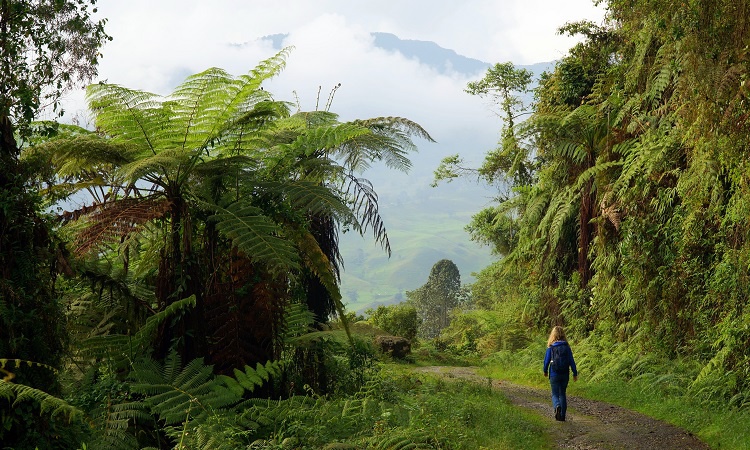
pixel 558 413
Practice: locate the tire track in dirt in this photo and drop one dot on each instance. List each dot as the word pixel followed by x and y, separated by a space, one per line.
pixel 590 424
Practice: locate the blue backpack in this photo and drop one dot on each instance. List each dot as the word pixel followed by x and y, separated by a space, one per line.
pixel 559 358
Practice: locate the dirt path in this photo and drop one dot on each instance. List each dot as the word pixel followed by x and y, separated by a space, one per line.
pixel 590 424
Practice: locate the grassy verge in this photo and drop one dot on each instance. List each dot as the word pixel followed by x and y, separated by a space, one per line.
pixel 401 409
pixel 653 389
pixel 466 415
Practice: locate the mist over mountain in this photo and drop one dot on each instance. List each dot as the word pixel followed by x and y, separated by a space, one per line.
pixel 425 224
pixel 440 59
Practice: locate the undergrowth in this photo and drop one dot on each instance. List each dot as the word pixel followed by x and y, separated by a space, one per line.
pixel 657 386
pixel 399 409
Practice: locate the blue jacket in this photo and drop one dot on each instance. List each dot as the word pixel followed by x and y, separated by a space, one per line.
pixel 548 357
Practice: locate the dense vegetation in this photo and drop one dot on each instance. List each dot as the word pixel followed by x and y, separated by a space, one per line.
pixel 188 304
pixel 624 208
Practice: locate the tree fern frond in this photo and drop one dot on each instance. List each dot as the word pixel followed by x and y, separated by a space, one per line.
pixel 49 404
pixel 565 210
pixel 15 362
pixel 256 236
pixel 573 151
pixel 659 83
pixel 593 171
pixel 535 209
pixel 118 219
pixel 156 168
pixel 213 102
pixel 365 207
pixel 389 141
pixel 313 141
pixel 404 125
pixel 322 268
pixel 178 394
pixel 128 115
pixel 316 200
pixel 272 66
pixel 72 155
pixel 298 320
pixel 643 46
pixel 152 323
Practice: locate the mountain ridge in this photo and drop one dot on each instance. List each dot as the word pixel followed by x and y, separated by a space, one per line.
pixel 442 60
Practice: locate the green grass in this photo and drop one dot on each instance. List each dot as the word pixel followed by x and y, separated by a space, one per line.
pixel 402 409
pixel 659 395
pixel 469 415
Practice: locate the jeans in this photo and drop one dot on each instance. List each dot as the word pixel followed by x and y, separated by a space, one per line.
pixel 559 385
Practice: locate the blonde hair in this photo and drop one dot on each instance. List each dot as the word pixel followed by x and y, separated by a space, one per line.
pixel 557 334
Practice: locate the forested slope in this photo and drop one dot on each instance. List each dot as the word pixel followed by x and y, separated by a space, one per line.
pixel 627 220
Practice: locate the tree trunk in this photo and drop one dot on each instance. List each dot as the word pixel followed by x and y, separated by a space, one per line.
pixel 585 214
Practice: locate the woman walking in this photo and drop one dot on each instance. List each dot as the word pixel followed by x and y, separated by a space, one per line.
pixel 558 361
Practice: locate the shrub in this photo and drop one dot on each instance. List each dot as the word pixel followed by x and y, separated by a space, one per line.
pixel 399 320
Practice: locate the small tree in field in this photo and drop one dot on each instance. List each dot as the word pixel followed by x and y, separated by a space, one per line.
pixel 437 298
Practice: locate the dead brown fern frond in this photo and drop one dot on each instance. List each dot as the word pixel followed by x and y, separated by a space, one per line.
pixel 115 220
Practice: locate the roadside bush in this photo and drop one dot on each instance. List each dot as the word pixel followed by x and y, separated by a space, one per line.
pixel 399 319
pixel 484 333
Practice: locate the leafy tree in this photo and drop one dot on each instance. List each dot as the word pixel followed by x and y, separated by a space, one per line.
pixel 511 163
pixel 435 300
pixel 46 47
pixel 504 85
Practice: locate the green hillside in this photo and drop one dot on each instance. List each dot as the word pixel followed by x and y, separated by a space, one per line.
pixel 423 228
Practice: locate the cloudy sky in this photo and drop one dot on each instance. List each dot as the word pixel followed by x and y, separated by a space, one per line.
pixel 156 43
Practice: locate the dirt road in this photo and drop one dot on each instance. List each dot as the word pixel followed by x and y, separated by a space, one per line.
pixel 590 424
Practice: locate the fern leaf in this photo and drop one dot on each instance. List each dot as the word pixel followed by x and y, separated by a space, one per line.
pixel 118 219
pixel 256 236
pixel 132 116
pixel 49 404
pixel 177 395
pixel 145 333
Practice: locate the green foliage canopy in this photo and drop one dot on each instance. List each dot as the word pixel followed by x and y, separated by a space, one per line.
pixel 435 300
